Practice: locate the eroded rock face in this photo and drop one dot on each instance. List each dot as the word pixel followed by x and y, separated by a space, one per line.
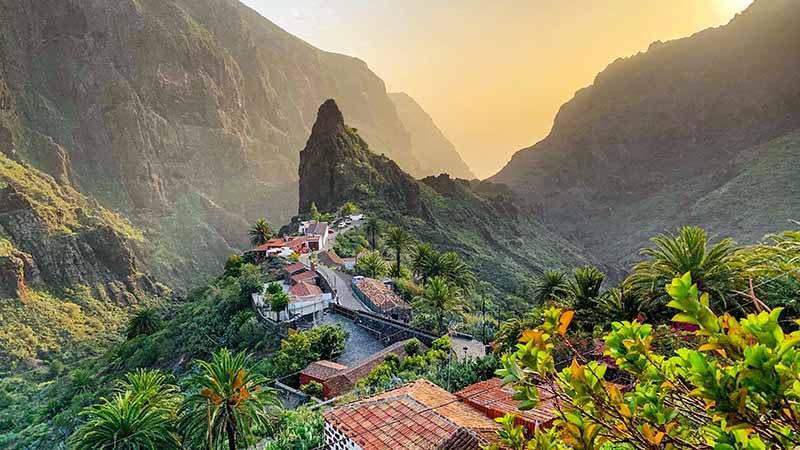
pixel 51 238
pixel 336 166
pixel 142 102
pixel 629 155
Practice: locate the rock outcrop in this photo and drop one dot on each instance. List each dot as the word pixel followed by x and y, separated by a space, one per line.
pixel 435 153
pixel 631 155
pixel 53 239
pixel 484 222
pixel 337 165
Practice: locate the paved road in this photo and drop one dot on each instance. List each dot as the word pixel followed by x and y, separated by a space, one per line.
pixel 341 282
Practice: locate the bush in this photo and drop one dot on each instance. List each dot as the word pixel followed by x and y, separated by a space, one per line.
pixel 412 347
pixel 312 388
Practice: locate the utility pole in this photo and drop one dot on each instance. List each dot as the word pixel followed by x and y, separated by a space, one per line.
pixel 483 319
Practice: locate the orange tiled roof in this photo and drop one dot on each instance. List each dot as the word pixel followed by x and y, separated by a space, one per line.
pixel 295 267
pixel 399 423
pixel 380 295
pixel 322 370
pixel 304 276
pixel 495 400
pixel 304 290
pixel 445 404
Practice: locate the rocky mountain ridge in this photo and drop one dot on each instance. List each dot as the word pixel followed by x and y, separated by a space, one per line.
pixel 498 235
pixel 179 114
pixel 629 156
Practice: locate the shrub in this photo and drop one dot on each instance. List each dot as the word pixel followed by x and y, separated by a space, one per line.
pixel 312 388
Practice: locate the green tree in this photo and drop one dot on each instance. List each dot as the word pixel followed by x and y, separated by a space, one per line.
pixel 230 403
pixel 736 391
pixel 260 233
pixel 398 240
pixel 348 209
pixel 584 293
pixel 278 302
pixel 373 229
pixel 428 263
pixel 440 298
pixel 140 416
pixel 711 266
pixel 314 212
pixel 250 281
pixel 552 285
pixel 145 322
pixel 372 265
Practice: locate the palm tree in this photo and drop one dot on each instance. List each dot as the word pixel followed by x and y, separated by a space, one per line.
pixel 428 263
pixel 372 265
pixel 713 267
pixel 438 298
pixel 586 288
pixel 373 229
pixel 260 233
pixel 229 403
pixel 398 240
pixel 552 285
pixel 145 322
pixel 140 417
pixel 621 303
pixel 422 261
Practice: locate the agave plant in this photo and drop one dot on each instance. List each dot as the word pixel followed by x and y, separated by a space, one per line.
pixel 230 403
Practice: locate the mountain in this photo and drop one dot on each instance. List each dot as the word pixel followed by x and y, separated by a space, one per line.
pixel 185 116
pixel 484 222
pixel 431 148
pixel 692 131
pixel 68 268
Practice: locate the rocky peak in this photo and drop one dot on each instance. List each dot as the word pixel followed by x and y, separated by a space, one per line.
pixel 337 166
pixel 330 121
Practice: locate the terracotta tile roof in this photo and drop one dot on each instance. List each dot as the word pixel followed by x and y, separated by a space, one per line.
pixel 304 276
pixel 322 370
pixel 380 295
pixel 445 404
pixel 346 381
pixel 330 258
pixel 495 400
pixel 295 267
pixel 316 228
pixel 304 290
pixel 399 423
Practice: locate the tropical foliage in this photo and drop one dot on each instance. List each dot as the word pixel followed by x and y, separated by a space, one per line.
pixel 372 265
pixel 738 390
pixel 440 299
pixel 230 404
pixel 398 240
pixel 260 232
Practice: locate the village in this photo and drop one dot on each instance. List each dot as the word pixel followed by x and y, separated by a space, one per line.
pixel 322 288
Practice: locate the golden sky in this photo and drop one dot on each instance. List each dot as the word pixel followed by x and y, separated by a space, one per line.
pixel 492 74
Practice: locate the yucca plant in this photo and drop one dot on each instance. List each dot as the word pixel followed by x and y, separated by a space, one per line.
pixel 229 404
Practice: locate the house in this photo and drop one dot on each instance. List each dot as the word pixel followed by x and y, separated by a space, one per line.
pixel 295 268
pixel 316 232
pixel 494 400
pixel 308 276
pixel 331 259
pixel 283 247
pixel 337 379
pixel 381 299
pixel 418 415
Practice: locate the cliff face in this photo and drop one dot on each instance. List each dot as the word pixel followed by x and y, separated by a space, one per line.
pixel 54 239
pixel 176 112
pixel 337 165
pixel 484 222
pixel 631 155
pixel 435 153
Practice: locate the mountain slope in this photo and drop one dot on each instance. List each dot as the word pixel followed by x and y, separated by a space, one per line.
pixel 633 153
pixel 504 242
pixel 177 112
pixel 431 148
pixel 68 268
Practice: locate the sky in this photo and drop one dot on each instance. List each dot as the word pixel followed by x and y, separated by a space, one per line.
pixel 492 73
